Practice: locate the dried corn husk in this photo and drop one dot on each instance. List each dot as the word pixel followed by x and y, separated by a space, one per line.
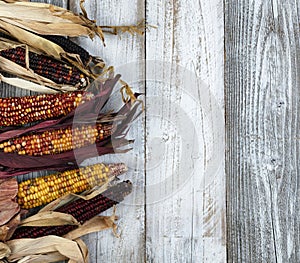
pixel 39 46
pixel 8 207
pixel 38 18
pixel 49 218
pixel 95 224
pixel 46 19
pixel 7 230
pixel 42 249
pixel 138 29
pixel 4 250
pixel 24 37
pixel 28 85
pixel 53 248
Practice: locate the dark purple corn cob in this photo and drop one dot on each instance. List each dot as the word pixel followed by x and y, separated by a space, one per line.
pixel 80 209
pixel 50 68
pixel 70 47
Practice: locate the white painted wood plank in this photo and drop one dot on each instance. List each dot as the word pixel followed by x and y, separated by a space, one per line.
pixel 185 224
pixel 262 97
pixel 120 52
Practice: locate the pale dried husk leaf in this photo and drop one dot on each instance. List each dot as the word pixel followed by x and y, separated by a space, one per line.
pixel 84 250
pixel 4 250
pixel 95 224
pixel 7 230
pixel 49 257
pixel 46 19
pixel 138 29
pixel 27 85
pixel 43 45
pixel 31 249
pixel 49 218
pixel 13 1
pixel 8 44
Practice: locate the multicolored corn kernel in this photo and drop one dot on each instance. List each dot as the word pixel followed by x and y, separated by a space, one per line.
pixel 82 210
pixel 57 141
pixel 16 111
pixel 43 190
pixel 50 68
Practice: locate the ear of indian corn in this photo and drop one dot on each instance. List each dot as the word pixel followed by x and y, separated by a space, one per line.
pixel 57 141
pixel 82 210
pixel 43 190
pixel 70 47
pixel 50 68
pixel 16 111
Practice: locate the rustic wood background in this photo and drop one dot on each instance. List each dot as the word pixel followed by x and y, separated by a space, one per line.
pixel 262 110
pixel 245 53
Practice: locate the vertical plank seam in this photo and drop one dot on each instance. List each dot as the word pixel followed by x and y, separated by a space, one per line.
pixel 145 136
pixel 227 194
pixel 273 9
pixel 272 220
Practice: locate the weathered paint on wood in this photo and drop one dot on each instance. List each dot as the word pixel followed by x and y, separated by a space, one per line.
pixel 262 110
pixel 186 224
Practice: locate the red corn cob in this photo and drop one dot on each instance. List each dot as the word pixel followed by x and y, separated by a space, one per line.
pixel 22 110
pixel 80 209
pixel 57 141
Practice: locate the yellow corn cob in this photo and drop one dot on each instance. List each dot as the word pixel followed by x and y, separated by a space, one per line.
pixel 43 190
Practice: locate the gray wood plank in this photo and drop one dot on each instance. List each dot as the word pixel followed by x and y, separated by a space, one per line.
pixel 262 115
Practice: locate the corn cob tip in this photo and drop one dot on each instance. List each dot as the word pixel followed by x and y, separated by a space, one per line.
pixel 117 169
pixel 125 188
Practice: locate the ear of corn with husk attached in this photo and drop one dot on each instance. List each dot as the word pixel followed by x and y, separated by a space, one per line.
pixel 22 110
pixel 82 210
pixel 58 140
pixel 43 190
pixel 58 72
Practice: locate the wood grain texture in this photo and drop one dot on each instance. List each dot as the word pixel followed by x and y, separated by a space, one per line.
pixel 262 110
pixel 184 223
pixel 123 53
